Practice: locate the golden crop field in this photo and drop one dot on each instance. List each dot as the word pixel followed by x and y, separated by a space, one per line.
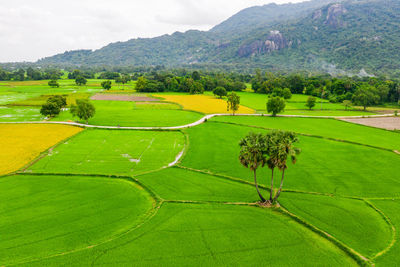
pixel 203 103
pixel 22 143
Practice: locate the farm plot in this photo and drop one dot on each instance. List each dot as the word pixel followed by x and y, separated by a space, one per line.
pixel 347 219
pixel 259 101
pixel 390 208
pixel 40 100
pixel 19 114
pixel 46 215
pixel 326 113
pixel 113 152
pixel 329 128
pixel 122 97
pixel 363 171
pixel 203 103
pixel 7 97
pixel 22 143
pixel 296 106
pixel 123 113
pixel 181 184
pixel 212 234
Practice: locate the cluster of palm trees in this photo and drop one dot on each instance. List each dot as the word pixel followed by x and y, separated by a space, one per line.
pixel 273 150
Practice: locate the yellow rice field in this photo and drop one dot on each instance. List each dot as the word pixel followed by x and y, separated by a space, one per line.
pixel 22 143
pixel 203 103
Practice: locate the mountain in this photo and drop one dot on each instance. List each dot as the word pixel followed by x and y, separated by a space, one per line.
pixel 263 16
pixel 319 35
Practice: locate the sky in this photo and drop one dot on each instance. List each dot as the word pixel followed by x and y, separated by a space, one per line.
pixel 33 29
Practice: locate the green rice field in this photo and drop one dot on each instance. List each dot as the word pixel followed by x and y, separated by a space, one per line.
pixel 181 197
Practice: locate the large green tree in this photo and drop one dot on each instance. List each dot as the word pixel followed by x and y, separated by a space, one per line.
pixel 275 105
pixel 233 102
pixel 59 100
pixel 53 106
pixel 366 96
pixel 50 109
pixel 253 155
pixel 83 109
pixel 141 84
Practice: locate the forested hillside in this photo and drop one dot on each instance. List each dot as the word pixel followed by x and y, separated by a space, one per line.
pixel 319 35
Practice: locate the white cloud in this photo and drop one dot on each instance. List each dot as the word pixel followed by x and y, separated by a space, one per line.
pixel 30 30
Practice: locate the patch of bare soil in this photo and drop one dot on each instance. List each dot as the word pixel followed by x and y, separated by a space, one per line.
pixel 121 97
pixel 389 123
pixel 386 111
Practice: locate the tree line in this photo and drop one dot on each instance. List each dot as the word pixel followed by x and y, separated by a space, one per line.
pixel 364 91
pixel 30 74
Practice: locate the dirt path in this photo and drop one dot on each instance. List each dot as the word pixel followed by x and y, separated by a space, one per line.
pixel 202 120
pixel 388 123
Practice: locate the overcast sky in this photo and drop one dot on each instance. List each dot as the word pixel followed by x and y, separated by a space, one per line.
pixel 32 29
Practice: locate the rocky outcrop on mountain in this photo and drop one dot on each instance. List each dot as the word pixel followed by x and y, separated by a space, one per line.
pixel 275 41
pixel 334 15
pixel 317 14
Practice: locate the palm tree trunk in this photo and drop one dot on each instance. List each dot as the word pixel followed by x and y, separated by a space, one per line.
pixel 272 186
pixel 258 191
pixel 280 188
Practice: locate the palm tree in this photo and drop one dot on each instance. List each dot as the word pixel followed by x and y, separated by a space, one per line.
pixel 283 150
pixel 271 144
pixel 253 155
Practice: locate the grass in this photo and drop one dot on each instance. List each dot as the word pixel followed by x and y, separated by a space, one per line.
pixel 329 128
pixel 391 209
pixel 222 235
pixel 113 152
pixel 46 215
pixel 341 218
pixel 181 184
pixel 21 143
pixel 122 113
pixel 325 166
pixel 203 103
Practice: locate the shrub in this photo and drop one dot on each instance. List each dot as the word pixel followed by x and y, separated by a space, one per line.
pixel 80 80
pixel 286 93
pixel 277 92
pixel 106 85
pixel 53 83
pixel 311 102
pixel 347 104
